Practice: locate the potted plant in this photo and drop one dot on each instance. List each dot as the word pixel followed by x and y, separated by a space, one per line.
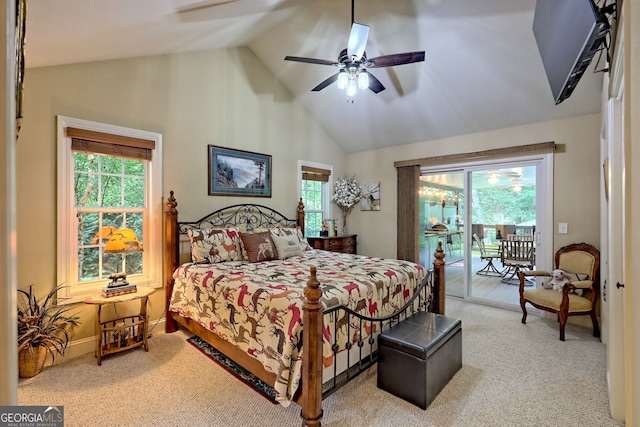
pixel 43 327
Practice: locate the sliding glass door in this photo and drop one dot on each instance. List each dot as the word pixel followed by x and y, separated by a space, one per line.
pixel 503 208
pixel 442 218
pixel 472 208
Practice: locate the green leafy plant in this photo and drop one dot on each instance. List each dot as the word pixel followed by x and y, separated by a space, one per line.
pixel 43 323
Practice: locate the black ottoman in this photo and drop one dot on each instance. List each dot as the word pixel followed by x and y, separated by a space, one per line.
pixel 418 356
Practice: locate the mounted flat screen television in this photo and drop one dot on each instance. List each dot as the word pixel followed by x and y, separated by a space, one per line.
pixel 568 34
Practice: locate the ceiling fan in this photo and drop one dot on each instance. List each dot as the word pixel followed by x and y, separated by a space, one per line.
pixel 354 64
pixel 494 174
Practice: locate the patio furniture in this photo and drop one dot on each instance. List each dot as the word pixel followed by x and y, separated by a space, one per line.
pixel 518 252
pixel 487 255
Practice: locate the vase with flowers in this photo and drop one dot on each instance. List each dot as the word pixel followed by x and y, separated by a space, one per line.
pixel 346 193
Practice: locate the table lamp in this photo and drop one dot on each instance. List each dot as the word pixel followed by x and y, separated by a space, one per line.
pixel 123 242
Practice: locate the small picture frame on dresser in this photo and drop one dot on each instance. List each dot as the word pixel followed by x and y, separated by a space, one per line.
pixel 331 227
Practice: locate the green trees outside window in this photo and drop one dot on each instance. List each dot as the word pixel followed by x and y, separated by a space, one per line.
pixel 109 194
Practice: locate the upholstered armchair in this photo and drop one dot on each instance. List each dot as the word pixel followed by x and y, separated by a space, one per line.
pixel 577 258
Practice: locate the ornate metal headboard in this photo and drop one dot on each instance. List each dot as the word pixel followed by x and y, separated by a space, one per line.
pixel 247 217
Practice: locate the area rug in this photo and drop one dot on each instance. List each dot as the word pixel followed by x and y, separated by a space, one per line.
pixel 234 369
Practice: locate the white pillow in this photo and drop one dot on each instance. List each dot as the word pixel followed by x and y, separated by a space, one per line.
pixel 287 231
pixel 287 246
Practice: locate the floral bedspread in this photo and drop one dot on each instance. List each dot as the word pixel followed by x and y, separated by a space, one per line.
pixel 258 306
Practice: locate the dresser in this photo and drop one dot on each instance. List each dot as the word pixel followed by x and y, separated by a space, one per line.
pixel 345 244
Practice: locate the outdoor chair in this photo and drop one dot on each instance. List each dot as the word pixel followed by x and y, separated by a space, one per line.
pixel 580 259
pixel 518 252
pixel 487 255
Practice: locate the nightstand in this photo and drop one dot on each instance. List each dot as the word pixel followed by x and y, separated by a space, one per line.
pixel 346 244
pixel 124 333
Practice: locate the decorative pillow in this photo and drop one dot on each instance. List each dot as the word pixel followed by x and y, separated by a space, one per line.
pixel 292 231
pixel 287 246
pixel 576 277
pixel 244 230
pixel 258 246
pixel 215 244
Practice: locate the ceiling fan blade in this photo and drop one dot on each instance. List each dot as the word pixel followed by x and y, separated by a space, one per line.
pixel 395 59
pixel 326 83
pixel 357 40
pixel 204 5
pixel 310 60
pixel 374 84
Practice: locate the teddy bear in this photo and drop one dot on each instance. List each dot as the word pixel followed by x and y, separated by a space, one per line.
pixel 557 281
pixel 559 278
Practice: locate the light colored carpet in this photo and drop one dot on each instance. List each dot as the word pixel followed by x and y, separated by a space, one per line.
pixel 512 375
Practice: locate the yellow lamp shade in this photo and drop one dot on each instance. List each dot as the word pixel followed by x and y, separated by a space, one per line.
pixel 105 233
pixel 123 242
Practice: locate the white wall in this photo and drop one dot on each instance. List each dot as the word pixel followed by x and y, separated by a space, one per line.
pixel 632 142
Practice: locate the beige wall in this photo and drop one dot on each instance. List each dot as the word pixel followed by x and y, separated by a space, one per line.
pixel 576 165
pixel 221 97
pixel 228 98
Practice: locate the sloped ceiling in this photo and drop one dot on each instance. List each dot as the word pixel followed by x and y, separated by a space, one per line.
pixel 482 69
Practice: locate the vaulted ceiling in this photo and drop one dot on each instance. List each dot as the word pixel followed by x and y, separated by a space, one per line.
pixel 482 69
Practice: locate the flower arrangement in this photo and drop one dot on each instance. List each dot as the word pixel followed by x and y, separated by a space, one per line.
pixel 346 193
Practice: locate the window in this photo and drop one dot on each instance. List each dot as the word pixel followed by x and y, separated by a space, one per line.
pixel 107 181
pixel 315 186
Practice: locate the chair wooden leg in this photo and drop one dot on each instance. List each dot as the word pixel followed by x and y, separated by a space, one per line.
pixel 596 327
pixel 563 323
pixel 524 310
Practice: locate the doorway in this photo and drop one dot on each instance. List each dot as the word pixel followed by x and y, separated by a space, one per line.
pixel 470 208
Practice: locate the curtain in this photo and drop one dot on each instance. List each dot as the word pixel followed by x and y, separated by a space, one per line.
pixel 408 244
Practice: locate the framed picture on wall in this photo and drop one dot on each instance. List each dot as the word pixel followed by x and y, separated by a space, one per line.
pixel 238 173
pixel 370 196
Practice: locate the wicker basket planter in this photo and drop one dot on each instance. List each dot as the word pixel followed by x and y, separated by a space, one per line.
pixel 30 363
pixel 44 327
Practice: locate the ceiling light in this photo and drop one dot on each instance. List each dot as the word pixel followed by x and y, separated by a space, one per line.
pixel 517 184
pixel 351 88
pixel 342 79
pixel 493 179
pixel 363 80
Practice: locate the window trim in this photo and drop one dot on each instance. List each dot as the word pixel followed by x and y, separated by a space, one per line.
pixel 328 210
pixel 65 210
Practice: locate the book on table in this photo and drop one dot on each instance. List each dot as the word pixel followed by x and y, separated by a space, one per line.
pixel 119 290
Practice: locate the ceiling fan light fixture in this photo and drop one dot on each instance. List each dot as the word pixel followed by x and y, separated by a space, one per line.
pixel 363 80
pixel 342 79
pixel 353 62
pixel 351 88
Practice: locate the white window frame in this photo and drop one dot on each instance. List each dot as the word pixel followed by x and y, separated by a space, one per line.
pixel 327 211
pixel 67 223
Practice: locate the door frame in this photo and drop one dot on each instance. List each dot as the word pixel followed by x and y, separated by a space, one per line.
pixel 544 205
pixel 613 236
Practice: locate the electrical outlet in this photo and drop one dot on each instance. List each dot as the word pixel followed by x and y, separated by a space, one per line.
pixel 563 228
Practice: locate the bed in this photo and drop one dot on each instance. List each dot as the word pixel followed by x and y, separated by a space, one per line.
pixel 303 320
